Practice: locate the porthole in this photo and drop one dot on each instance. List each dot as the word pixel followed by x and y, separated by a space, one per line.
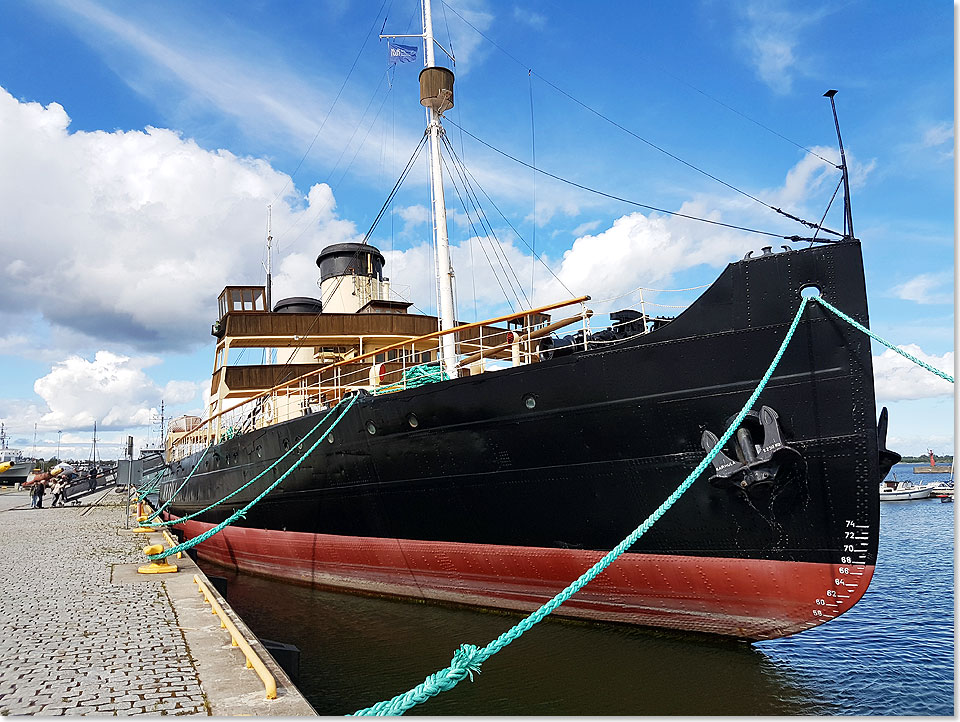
pixel 371 428
pixel 811 290
pixel 413 421
pixel 285 443
pixel 330 439
pixel 530 401
pixel 259 451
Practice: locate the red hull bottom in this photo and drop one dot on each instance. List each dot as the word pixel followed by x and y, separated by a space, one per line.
pixel 744 598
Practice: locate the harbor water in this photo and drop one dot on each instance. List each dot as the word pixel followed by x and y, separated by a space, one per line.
pixel 892 654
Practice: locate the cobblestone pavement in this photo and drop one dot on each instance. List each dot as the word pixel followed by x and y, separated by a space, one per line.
pixel 70 641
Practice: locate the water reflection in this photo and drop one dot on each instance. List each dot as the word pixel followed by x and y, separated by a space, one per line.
pixel 356 651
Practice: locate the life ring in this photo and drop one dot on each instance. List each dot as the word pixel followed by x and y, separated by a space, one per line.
pixel 377 373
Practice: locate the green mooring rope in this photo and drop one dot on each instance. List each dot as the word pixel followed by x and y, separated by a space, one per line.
pixel 152 484
pixel 889 345
pixel 189 544
pixel 416 376
pixel 468 658
pixel 179 488
pixel 236 491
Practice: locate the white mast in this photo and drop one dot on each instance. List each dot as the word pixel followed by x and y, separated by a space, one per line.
pixel 448 354
pixel 439 99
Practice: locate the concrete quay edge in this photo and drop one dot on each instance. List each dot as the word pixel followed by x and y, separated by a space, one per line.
pixel 81 632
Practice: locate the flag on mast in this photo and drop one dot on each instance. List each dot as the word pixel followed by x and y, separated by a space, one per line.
pixel 401 53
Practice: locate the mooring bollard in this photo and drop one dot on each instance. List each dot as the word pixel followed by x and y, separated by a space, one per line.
pixel 141 529
pixel 161 566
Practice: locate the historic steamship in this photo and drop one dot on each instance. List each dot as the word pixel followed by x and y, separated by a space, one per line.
pixel 531 454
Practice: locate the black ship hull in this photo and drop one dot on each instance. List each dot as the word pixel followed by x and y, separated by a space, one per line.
pixel 499 489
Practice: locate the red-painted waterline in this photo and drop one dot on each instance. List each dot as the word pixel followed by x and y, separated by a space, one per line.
pixel 749 599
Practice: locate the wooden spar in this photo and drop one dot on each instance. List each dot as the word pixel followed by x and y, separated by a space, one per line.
pixel 532 336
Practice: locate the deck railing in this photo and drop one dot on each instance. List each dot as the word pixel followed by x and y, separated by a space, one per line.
pixel 320 388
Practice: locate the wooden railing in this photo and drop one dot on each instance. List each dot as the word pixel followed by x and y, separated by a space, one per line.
pixel 321 387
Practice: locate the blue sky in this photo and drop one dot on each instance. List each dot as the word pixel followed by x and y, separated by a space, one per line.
pixel 142 143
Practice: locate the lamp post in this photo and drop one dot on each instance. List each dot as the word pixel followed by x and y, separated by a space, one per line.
pixel 59 434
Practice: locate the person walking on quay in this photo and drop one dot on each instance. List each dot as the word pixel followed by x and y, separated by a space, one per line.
pixel 57 490
pixel 93 477
pixel 36 495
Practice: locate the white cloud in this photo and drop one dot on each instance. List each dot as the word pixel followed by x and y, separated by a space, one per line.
pixel 937 135
pixel 535 20
pixel 137 230
pixel 927 288
pixel 898 378
pixel 413 216
pixel 917 444
pixel 112 390
pixel 189 72
pixel 771 36
pixel 467 45
pixel 637 249
pixel 586 228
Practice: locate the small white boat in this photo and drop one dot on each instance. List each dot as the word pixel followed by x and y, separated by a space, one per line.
pixel 893 490
pixel 943 490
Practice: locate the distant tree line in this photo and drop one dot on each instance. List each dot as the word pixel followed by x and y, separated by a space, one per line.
pixel 940 459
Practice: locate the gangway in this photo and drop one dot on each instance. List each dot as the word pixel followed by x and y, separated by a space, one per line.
pixel 80 488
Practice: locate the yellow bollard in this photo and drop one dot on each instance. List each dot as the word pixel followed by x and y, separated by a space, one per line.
pixel 141 529
pixel 156 567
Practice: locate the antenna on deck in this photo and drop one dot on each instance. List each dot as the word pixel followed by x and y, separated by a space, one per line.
pixel 847 213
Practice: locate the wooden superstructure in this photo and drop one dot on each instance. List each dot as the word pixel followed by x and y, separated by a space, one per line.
pixel 273 365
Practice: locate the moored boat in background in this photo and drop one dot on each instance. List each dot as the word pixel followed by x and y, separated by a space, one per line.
pixel 906 490
pixel 942 490
pixel 14 466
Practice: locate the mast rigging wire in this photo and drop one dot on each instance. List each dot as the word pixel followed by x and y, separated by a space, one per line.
pixel 621 199
pixel 747 117
pixel 827 210
pixel 386 204
pixel 505 219
pixel 498 250
pixel 655 290
pixel 647 142
pixel 533 159
pixel 332 105
pixel 480 237
pixel 285 371
pixel 337 164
